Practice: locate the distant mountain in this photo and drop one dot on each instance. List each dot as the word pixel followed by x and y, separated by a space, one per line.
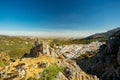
pixel 104 34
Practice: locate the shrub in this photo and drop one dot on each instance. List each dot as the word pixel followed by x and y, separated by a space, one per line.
pixel 51 72
pixel 31 78
pixel 12 59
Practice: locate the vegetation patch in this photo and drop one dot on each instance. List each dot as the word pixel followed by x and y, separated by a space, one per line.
pixel 75 41
pixel 87 55
pixel 31 78
pixel 51 72
pixel 3 63
pixel 4 59
pixel 15 47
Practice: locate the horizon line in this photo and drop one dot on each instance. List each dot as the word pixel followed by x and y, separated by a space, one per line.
pixel 45 34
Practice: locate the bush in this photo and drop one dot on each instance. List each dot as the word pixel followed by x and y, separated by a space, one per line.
pixel 31 78
pixel 51 72
pixel 12 59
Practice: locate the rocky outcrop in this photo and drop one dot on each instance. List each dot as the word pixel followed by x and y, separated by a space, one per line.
pixel 106 64
pixel 36 50
pixel 75 50
pixel 68 51
pixel 73 72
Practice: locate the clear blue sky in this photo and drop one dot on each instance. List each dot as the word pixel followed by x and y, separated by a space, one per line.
pixel 59 15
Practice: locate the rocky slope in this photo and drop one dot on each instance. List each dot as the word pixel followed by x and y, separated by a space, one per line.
pixel 26 68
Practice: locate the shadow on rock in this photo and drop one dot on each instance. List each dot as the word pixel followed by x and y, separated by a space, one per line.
pixel 35 51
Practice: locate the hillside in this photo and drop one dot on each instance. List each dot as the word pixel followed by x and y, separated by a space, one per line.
pixel 15 47
pixel 46 66
pixel 104 35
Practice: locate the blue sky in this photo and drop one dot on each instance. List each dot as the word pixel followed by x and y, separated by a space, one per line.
pixel 59 16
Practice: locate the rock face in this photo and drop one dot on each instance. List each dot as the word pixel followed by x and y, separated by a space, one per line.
pixel 118 56
pixel 106 65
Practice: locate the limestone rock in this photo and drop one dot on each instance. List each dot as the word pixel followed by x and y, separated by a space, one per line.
pixel 22 72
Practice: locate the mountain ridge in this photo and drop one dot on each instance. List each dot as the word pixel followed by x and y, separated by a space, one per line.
pixel 105 35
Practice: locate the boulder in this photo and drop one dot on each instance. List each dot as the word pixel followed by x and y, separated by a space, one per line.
pixel 68 73
pixel 22 72
pixel 43 64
